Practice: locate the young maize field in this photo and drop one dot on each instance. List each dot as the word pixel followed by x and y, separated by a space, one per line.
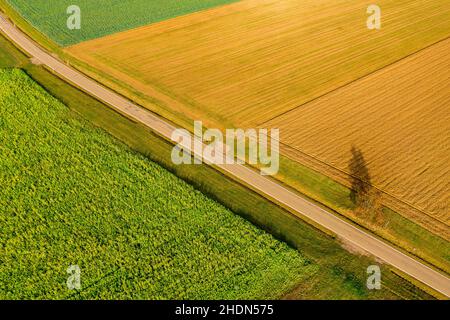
pixel 72 195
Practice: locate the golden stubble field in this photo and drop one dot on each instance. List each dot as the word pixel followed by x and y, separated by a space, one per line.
pixel 398 119
pixel 296 64
pixel 245 63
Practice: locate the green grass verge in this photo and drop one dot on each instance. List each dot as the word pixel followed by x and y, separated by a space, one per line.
pixel 103 17
pixel 9 56
pixel 340 274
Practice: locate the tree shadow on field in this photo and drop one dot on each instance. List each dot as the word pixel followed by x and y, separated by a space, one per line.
pixel 363 195
pixel 360 177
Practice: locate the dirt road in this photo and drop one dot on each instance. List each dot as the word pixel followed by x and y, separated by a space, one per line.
pixel 272 190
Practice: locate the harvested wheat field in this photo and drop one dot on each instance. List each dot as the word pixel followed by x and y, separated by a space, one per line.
pixel 245 63
pixel 398 119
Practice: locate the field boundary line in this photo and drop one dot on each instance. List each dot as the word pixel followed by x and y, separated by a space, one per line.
pixel 352 81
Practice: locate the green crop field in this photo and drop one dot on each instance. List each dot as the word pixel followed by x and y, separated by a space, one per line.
pixel 72 195
pixel 103 17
